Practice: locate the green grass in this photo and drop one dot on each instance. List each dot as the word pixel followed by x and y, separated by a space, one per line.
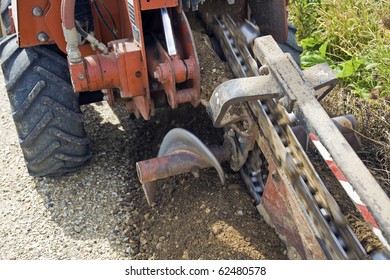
pixel 351 36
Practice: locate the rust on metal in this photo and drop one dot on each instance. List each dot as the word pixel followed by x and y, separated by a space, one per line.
pixel 280 208
pixel 183 68
pixel 180 152
pixel 152 5
pixel 177 163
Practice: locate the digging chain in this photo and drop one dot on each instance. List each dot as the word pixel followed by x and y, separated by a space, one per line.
pixel 335 236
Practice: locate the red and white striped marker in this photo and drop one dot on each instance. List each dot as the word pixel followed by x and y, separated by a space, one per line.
pixel 349 189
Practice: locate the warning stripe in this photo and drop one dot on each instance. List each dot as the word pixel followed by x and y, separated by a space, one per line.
pixel 349 189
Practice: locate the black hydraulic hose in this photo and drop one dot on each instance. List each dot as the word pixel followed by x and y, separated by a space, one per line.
pixel 80 30
pixel 99 12
pixel 109 14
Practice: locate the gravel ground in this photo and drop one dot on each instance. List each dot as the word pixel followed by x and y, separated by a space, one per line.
pixel 71 217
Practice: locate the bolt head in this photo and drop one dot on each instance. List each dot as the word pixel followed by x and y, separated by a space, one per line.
pixel 42 37
pixel 37 12
pixel 264 70
pixel 81 76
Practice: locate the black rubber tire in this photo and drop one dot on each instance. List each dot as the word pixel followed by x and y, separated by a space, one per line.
pixel 4 17
pixel 291 45
pixel 271 17
pixel 45 109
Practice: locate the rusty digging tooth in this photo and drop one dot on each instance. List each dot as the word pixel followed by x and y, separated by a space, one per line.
pixel 149 190
pixel 180 152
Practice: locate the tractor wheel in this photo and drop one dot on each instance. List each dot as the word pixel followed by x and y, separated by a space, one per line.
pixel 271 17
pixel 291 45
pixel 45 109
pixel 4 18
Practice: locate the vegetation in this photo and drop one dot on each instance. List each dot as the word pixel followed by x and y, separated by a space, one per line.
pixel 352 36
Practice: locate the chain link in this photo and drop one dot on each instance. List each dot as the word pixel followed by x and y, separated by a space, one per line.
pixel 336 238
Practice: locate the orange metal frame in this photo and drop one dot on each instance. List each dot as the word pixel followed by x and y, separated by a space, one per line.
pixel 130 66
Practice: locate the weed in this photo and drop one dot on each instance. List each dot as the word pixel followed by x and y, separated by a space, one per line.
pixel 352 37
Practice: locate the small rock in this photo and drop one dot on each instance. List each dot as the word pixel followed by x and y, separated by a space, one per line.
pixel 216 229
pixel 207 210
pixel 146 216
pixel 186 255
pixel 77 229
pixel 143 240
pixel 240 213
pixel 222 79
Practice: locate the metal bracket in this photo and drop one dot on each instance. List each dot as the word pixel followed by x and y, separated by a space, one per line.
pixel 318 79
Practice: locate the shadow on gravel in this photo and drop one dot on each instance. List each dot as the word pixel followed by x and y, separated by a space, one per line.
pixel 193 218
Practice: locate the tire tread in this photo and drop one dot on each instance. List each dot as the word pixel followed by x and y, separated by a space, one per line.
pixel 45 109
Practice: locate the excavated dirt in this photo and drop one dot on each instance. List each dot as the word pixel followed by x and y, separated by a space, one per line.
pixel 200 218
pixel 195 218
pixel 361 228
pixel 212 70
